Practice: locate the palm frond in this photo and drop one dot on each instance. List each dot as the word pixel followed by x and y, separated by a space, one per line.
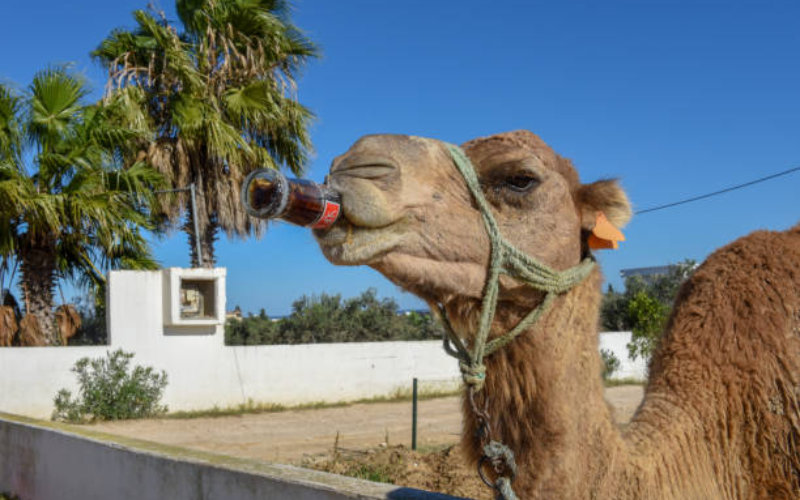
pixel 11 134
pixel 79 212
pixel 55 102
pixel 219 99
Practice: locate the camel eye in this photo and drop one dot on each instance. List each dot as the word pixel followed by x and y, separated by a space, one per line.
pixel 521 183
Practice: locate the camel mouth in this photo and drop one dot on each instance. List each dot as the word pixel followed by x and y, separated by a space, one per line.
pixel 349 244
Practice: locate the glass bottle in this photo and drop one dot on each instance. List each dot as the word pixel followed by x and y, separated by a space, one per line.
pixel 268 194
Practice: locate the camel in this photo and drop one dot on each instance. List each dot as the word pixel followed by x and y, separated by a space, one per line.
pixel 68 321
pixel 720 417
pixel 8 325
pixel 30 332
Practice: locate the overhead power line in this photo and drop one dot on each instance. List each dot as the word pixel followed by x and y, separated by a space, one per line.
pixel 715 193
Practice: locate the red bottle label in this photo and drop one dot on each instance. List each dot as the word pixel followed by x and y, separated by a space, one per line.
pixel 328 217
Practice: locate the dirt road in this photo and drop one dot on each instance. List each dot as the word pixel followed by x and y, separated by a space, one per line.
pixel 288 436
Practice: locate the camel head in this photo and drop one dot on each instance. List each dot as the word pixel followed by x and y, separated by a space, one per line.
pixel 409 214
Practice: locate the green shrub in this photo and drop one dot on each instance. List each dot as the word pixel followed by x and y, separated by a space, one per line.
pixel 649 316
pixel 610 363
pixel 330 318
pixel 109 390
pixel 615 313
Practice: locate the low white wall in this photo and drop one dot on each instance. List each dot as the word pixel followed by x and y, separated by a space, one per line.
pixel 203 372
pixel 617 343
pixel 204 376
pixel 40 461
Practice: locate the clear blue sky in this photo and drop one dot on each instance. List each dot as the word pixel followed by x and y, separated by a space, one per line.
pixel 674 98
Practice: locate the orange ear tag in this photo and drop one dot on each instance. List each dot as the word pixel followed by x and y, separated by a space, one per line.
pixel 604 234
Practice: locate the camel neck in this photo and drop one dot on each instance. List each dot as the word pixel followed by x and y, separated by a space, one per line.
pixel 545 399
pixel 544 394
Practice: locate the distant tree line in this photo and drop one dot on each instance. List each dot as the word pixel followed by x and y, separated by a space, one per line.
pixel 644 307
pixel 330 318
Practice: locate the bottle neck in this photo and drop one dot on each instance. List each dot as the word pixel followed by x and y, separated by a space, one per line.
pixel 267 194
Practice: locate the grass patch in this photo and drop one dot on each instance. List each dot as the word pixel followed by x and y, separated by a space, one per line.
pixel 370 472
pixel 216 411
pixel 8 496
pixel 252 407
pixel 624 381
pixel 430 449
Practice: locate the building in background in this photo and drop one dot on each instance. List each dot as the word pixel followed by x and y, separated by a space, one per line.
pixel 236 314
pixel 648 274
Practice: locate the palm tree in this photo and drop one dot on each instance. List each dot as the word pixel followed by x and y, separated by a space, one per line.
pixel 67 208
pixel 219 97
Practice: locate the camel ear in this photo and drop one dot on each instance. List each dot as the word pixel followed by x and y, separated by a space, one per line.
pixel 604 209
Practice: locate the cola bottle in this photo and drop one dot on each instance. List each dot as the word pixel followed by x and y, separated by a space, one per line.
pixel 268 194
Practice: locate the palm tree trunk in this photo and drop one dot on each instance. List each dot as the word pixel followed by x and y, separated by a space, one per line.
pixel 208 236
pixel 188 228
pixel 38 271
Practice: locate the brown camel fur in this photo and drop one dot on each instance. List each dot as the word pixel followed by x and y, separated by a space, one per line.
pixel 720 417
pixel 68 321
pixel 30 332
pixel 8 325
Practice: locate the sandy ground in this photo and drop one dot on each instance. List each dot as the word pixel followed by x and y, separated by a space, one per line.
pixel 287 437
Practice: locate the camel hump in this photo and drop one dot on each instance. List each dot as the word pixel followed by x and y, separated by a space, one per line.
pixel 745 297
pixel 761 254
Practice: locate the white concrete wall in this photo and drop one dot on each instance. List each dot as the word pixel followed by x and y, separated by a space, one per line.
pixel 40 461
pixel 203 372
pixel 617 342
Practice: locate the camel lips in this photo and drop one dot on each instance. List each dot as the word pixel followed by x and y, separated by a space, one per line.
pixel 268 194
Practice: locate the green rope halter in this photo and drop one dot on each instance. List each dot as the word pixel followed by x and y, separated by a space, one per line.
pixel 504 259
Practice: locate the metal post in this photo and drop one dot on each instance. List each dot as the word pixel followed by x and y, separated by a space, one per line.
pixel 414 416
pixel 193 193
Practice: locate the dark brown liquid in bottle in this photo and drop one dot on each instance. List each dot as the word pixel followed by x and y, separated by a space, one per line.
pixel 260 193
pixel 268 194
pixel 306 202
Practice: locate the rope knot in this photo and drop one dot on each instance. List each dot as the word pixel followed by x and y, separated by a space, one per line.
pixel 502 460
pixel 473 374
pixel 501 457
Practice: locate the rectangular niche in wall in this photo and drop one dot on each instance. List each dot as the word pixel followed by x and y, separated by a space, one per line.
pixel 197 299
pixel 194 297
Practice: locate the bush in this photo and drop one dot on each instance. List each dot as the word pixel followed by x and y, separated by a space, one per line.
pixel 330 318
pixel 644 307
pixel 109 391
pixel 252 330
pixel 610 363
pixel 649 317
pixel 615 314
